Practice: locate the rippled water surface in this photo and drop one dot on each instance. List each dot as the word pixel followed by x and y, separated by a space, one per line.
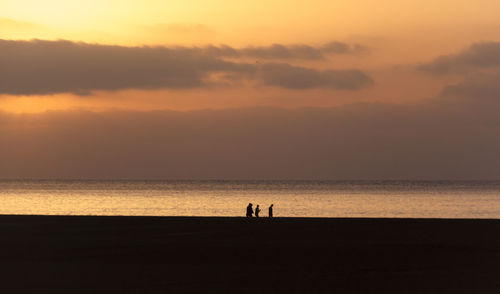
pixel 230 198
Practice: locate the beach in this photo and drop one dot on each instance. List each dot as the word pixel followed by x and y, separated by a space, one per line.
pixel 121 254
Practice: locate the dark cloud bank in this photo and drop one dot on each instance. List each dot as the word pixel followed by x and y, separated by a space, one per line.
pixel 448 138
pixel 48 67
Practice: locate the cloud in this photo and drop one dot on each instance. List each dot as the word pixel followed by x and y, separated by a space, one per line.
pixel 477 56
pixel 293 77
pixel 278 51
pixel 283 52
pixel 441 139
pixel 48 67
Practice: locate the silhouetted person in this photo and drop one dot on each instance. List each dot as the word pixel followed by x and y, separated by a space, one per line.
pixel 271 210
pixel 257 210
pixel 249 210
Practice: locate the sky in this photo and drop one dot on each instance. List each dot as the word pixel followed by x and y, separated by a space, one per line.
pixel 222 89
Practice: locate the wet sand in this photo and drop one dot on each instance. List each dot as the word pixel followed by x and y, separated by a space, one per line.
pixel 68 254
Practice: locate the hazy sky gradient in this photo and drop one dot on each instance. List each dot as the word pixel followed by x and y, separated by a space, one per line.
pixel 268 89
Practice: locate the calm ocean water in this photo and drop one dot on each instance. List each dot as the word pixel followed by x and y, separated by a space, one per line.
pixel 230 198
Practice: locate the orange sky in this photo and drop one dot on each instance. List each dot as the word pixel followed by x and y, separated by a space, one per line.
pixel 398 34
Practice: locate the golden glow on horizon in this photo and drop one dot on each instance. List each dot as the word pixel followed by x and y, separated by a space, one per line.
pixel 36 104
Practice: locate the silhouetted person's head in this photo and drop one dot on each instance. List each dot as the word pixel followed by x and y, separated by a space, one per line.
pixel 249 204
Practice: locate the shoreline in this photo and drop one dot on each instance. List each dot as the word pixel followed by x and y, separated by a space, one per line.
pixel 303 218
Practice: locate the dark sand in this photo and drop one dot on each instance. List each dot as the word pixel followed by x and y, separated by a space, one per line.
pixel 55 254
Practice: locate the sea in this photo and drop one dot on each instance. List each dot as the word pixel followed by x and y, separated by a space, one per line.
pixel 336 199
